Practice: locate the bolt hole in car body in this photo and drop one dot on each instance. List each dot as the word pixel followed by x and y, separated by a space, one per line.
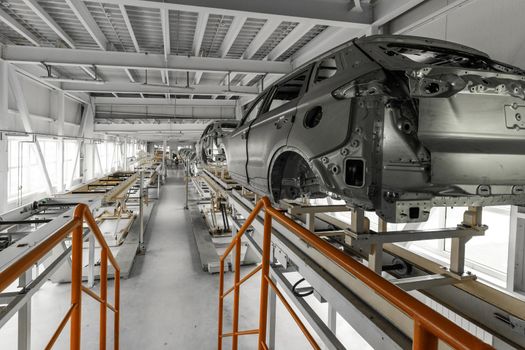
pixel 394 124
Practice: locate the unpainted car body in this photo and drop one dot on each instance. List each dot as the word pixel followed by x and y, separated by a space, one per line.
pixel 394 124
pixel 210 148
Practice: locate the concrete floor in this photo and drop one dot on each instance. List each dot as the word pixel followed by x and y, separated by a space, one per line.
pixel 168 302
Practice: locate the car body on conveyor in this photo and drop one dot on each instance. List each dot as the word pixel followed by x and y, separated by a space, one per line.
pixel 210 148
pixel 395 124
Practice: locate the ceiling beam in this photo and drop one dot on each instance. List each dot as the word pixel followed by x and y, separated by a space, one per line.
pixel 110 116
pixel 130 101
pixel 233 31
pixel 165 23
pixel 84 16
pixel 46 18
pixel 202 22
pixel 165 127
pixel 17 27
pixel 137 88
pixel 333 13
pixel 119 60
pixel 124 13
pixel 386 11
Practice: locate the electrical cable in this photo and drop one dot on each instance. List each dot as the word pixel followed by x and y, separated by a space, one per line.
pixel 303 294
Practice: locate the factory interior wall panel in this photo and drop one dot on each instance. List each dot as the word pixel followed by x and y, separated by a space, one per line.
pixel 495 27
pixel 42 106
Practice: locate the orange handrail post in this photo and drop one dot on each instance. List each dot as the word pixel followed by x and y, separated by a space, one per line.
pixel 429 326
pixel 221 302
pixel 104 297
pixel 423 339
pixel 76 281
pixel 264 281
pixel 236 296
pixel 74 314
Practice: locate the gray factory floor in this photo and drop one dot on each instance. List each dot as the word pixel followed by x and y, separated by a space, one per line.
pixel 168 302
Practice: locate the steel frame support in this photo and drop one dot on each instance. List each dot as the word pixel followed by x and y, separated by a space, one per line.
pixel 134 60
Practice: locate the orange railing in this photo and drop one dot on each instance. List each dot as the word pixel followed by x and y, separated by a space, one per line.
pixel 429 326
pixel 75 227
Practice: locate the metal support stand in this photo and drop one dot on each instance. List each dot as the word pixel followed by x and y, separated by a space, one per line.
pixel 24 314
pixel 332 318
pixel 186 183
pixel 142 248
pixel 158 186
pixel 310 221
pixel 471 218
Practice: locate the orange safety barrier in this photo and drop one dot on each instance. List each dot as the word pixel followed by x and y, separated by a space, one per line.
pixel 75 227
pixel 429 326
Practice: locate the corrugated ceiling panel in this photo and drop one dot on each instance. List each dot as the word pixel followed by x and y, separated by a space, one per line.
pixel 147 25
pixel 10 37
pixel 29 20
pixel 110 21
pixel 59 10
pixel 249 30
pixel 277 36
pixel 182 31
pixel 305 39
pixel 216 30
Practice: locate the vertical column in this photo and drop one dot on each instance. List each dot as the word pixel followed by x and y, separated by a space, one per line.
pixel 125 154
pixel 88 169
pixel 60 119
pixel 164 170
pixel 4 69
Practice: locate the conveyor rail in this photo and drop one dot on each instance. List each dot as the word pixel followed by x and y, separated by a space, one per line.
pixel 428 326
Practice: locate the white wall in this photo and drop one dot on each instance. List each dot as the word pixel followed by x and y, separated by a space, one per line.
pixel 493 26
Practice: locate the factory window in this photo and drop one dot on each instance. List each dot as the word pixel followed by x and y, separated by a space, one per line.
pixel 25 175
pixel 71 163
pixel 108 157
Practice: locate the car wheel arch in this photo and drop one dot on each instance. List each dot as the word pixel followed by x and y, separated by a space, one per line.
pixel 288 151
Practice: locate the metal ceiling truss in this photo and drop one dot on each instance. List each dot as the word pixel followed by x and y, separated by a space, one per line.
pixel 227 49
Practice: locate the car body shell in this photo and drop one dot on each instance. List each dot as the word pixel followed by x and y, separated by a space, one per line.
pixel 403 125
